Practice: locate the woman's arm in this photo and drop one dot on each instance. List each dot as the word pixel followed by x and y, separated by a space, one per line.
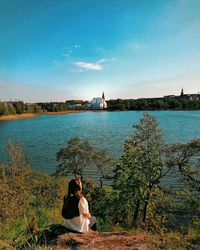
pixel 83 208
pixel 87 215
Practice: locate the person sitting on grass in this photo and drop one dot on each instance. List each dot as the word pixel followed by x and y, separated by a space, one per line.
pixel 75 209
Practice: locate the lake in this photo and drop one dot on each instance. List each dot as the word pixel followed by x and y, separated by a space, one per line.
pixel 41 137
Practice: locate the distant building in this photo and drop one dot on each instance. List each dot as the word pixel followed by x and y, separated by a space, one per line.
pixel 98 102
pixel 170 96
pixel 189 97
pixel 74 103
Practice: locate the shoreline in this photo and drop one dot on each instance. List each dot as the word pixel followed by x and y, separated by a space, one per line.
pixel 64 112
pixel 17 116
pixel 32 115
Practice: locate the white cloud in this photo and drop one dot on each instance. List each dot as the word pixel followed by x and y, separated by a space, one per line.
pixel 99 65
pixel 102 60
pixel 88 66
pixel 77 46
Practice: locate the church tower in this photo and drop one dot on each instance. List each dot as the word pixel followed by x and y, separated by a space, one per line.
pixel 104 101
pixel 182 93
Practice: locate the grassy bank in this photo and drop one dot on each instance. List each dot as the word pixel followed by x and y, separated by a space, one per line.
pixel 17 117
pixel 65 112
pixel 32 115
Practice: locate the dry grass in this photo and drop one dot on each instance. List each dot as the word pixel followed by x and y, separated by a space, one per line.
pixel 17 117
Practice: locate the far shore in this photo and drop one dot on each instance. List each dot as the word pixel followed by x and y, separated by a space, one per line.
pixel 17 116
pixel 64 112
pixel 32 115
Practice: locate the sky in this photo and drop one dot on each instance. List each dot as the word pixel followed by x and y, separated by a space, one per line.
pixel 57 50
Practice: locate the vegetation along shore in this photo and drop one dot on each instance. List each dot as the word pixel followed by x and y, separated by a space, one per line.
pixel 32 115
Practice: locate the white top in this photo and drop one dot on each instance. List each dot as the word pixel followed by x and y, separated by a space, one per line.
pixel 79 223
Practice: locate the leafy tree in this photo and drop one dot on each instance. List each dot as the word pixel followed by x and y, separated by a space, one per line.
pixel 140 169
pixel 185 158
pixel 11 108
pixel 4 110
pixel 19 107
pixel 103 164
pixel 63 106
pixel 75 158
pixel 79 156
pixel 32 108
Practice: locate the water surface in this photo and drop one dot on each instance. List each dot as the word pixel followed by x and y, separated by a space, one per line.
pixel 42 136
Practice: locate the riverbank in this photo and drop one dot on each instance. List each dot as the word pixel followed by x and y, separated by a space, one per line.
pixel 31 115
pixel 65 112
pixel 17 117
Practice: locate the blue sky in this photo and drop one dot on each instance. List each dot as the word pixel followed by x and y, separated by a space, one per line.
pixel 53 50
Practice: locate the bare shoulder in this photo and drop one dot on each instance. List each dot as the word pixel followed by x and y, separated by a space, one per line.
pixel 83 200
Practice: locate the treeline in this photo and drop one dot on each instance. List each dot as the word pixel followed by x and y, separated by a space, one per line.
pixel 53 106
pixel 154 104
pixel 19 107
pixel 13 108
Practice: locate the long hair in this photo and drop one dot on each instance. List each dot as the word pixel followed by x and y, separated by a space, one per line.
pixel 74 189
pixel 70 206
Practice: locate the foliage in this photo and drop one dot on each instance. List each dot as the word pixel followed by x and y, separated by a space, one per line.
pixel 33 108
pixel 153 104
pixel 14 188
pixel 47 191
pixel 102 163
pixel 4 110
pixel 74 158
pixel 12 108
pixel 19 107
pixel 53 106
pixel 79 156
pixel 184 157
pixel 140 170
pixel 26 194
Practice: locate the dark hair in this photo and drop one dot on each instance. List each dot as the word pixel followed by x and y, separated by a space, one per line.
pixel 73 189
pixel 70 206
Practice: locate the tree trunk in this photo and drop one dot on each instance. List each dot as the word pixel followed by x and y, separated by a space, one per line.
pixel 101 183
pixel 136 212
pixel 145 207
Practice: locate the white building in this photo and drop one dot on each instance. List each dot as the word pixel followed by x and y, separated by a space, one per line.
pixel 98 103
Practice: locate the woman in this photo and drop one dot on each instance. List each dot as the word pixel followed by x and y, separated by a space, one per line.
pixel 75 209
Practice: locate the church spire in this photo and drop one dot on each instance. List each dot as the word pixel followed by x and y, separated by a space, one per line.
pixel 182 93
pixel 103 96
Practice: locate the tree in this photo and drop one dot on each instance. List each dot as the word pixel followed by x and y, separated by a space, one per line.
pixel 33 108
pixel 79 156
pixel 15 190
pixel 102 163
pixel 11 109
pixel 20 107
pixel 140 169
pixel 185 159
pixel 75 158
pixel 4 110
